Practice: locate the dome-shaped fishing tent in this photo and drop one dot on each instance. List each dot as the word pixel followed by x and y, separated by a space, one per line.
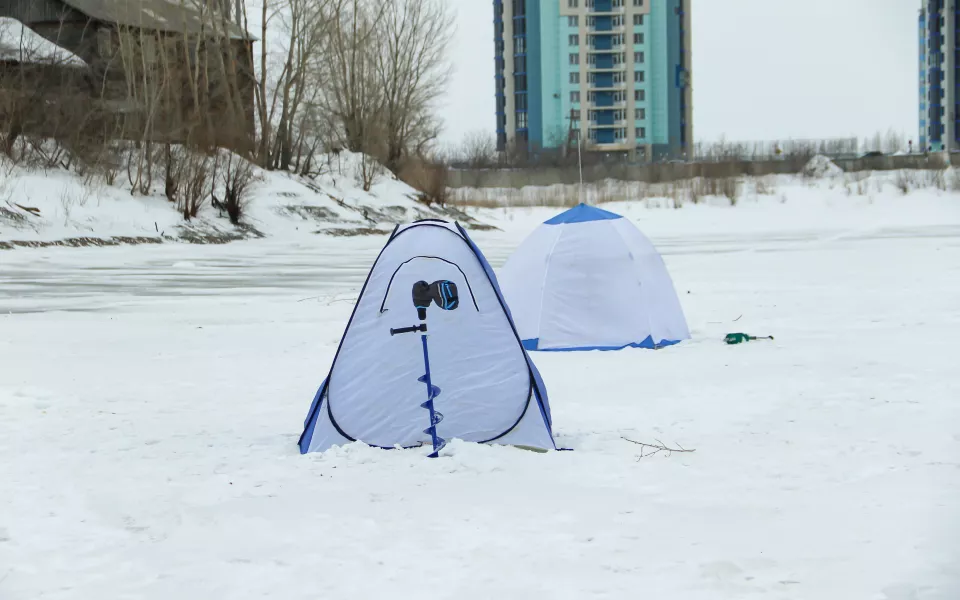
pixel 430 353
pixel 588 279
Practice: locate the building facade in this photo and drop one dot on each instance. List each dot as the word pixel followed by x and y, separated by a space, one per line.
pixel 939 25
pixel 614 74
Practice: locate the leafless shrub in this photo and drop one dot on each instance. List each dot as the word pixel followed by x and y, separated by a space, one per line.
pixel 729 186
pixel 764 187
pixel 237 177
pixel 368 171
pixel 427 177
pixel 195 184
pixel 479 150
pixel 905 181
pixel 935 178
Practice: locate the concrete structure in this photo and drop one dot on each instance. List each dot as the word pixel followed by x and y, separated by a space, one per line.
pixel 615 73
pixel 939 21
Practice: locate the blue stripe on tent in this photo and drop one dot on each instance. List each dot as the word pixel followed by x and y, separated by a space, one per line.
pixel 541 389
pixel 582 213
pixel 648 344
pixel 310 424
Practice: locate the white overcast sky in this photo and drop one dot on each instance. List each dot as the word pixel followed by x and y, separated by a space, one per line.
pixel 762 69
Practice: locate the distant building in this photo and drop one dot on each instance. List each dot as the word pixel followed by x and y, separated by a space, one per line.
pixel 615 73
pixel 939 111
pixel 141 62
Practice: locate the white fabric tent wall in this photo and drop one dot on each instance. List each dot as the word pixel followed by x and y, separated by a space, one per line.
pixel 589 279
pixel 373 394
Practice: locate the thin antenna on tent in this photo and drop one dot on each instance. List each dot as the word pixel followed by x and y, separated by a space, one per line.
pixel 580 167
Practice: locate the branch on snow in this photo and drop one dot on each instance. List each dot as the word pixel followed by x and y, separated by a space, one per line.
pixel 652 449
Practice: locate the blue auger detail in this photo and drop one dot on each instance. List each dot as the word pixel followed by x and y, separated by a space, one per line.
pixel 432 392
pixel 440 444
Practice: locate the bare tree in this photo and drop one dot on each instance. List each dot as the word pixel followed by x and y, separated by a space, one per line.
pixel 478 150
pixel 352 98
pixel 412 69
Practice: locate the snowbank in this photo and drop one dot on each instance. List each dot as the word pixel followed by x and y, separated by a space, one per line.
pixel 60 207
pixel 821 166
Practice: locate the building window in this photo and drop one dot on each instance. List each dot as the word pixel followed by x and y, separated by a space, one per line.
pixel 638 76
pixel 640 114
pixel 520 64
pixel 574 97
pixel 573 21
pixel 639 95
pixel 521 120
pixel 574 40
pixel 639 57
pixel 638 20
pixel 575 77
pixel 638 38
pixel 620 133
pixel 574 58
pixel 519 45
pixel 641 133
pixel 638 3
pixel 573 3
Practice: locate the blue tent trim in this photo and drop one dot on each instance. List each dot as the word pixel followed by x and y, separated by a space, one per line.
pixel 582 213
pixel 310 422
pixel 648 344
pixel 537 385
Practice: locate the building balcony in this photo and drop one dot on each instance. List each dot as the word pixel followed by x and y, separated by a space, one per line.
pixel 607 105
pixel 603 86
pixel 599 11
pixel 606 146
pixel 611 29
pixel 605 67
pixel 612 49
pixel 611 125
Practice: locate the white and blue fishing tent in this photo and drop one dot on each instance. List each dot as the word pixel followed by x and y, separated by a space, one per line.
pixel 588 279
pixel 477 383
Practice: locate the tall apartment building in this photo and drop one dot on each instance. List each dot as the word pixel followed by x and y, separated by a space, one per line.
pixel 939 25
pixel 615 73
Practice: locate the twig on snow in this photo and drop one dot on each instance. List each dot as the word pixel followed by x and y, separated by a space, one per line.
pixel 657 448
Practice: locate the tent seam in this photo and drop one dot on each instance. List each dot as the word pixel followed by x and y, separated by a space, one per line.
pixel 543 284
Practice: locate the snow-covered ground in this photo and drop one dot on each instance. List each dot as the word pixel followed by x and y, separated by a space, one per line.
pixel 151 398
pixel 56 206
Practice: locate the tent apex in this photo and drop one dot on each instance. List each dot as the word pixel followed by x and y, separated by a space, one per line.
pixel 582 213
